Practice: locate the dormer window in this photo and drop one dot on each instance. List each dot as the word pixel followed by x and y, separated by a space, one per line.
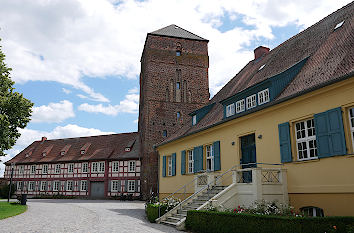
pixel 194 120
pixel 230 110
pixel 84 149
pixel 339 25
pixel 62 153
pixel 44 154
pixel 263 96
pixel 127 149
pixel 65 149
pixel 82 152
pixel 251 101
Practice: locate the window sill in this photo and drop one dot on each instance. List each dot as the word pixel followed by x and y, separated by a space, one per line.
pixel 306 161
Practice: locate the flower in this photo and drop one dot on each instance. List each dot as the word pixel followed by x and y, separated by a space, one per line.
pixel 335 227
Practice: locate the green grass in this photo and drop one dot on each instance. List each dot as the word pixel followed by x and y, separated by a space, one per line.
pixel 11 209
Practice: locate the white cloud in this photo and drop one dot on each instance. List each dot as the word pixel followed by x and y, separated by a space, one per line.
pixel 29 135
pixel 66 91
pixel 53 112
pixel 63 41
pixel 129 105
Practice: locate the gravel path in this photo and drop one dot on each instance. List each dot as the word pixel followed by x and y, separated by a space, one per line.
pixel 82 216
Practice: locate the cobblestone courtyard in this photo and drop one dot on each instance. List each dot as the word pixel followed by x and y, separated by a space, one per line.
pixel 82 216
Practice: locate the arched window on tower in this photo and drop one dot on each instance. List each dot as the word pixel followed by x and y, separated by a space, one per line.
pixel 178 49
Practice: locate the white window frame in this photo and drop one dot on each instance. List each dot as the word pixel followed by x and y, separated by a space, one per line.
pixel 131 186
pixel 251 101
pixel 263 96
pixel 57 169
pixel 71 168
pixel 43 185
pixel 83 186
pixel 351 124
pixel 19 186
pixel 194 120
pixel 132 166
pixel 115 166
pixel 311 211
pixel 240 106
pixel 33 169
pixel 30 185
pixel 69 185
pixel 84 167
pixel 169 165
pixel 307 140
pixel 94 167
pixel 21 169
pixel 209 157
pixel 190 161
pixel 56 185
pixel 230 110
pixel 114 185
pixel 101 167
pixel 45 169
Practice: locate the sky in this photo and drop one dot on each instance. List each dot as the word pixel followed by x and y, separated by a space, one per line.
pixel 78 61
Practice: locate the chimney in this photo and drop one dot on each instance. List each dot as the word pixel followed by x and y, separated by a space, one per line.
pixel 260 51
pixel 43 139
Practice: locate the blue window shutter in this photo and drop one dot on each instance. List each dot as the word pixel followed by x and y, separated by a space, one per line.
pixel 183 162
pixel 330 133
pixel 173 164
pixel 164 166
pixel 200 154
pixel 216 150
pixel 196 159
pixel 285 143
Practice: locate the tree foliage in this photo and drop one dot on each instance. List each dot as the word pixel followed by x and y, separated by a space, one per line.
pixel 15 110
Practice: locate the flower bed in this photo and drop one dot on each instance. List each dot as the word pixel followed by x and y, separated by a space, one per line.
pixel 155 209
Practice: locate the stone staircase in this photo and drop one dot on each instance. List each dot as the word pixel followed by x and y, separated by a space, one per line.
pixel 177 216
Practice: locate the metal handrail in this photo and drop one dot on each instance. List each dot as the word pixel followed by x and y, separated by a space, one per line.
pixel 184 186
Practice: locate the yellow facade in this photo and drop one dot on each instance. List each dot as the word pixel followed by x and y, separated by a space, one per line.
pixel 327 183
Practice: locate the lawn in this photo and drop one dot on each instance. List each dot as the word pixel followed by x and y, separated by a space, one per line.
pixel 11 209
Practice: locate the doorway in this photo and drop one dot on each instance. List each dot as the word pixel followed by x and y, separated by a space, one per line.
pixel 97 190
pixel 248 156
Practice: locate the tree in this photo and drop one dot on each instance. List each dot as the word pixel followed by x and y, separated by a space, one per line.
pixel 15 110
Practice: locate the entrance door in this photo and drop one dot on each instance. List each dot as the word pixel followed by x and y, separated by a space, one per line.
pixel 248 156
pixel 97 189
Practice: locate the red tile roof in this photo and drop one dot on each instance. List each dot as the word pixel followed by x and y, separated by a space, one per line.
pixel 331 57
pixel 97 148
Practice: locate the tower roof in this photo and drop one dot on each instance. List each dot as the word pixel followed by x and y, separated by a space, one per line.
pixel 176 31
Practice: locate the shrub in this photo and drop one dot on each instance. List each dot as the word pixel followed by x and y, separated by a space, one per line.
pixel 152 211
pixel 4 190
pixel 219 222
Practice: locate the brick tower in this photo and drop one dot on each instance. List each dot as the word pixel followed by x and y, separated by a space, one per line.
pixel 173 83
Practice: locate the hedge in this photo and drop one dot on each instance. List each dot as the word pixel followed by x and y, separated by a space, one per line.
pixel 152 211
pixel 219 222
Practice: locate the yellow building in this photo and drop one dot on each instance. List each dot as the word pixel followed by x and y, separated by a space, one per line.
pixel 286 121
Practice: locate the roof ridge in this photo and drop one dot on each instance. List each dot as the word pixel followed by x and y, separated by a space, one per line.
pixel 92 136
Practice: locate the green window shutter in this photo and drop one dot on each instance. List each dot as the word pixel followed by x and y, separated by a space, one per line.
pixel 216 151
pixel 183 162
pixel 330 133
pixel 109 185
pixel 126 186
pixel 137 186
pixel 285 143
pixel 164 166
pixel 200 160
pixel 196 159
pixel 173 164
pixel 119 186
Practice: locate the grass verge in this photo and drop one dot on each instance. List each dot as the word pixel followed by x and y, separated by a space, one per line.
pixel 11 209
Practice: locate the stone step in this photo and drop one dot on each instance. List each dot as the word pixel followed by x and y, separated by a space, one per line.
pixel 180 216
pixel 173 219
pixel 169 223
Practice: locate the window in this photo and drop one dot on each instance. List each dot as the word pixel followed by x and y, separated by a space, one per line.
pixel 131 166
pixel 351 119
pixel 43 185
pixel 71 168
pixel 82 152
pixel 94 167
pixel 190 161
pixel 56 185
pixel 338 25
pixel 83 185
pixel 57 168
pixel 209 158
pixel 84 167
pixel 240 106
pixel 33 169
pixel 178 53
pixel 251 101
pixel 312 211
pixel 44 154
pixel 114 187
pixel 263 96
pixel 306 140
pixel 21 169
pixel 230 110
pixel 164 133
pixel 178 85
pixel 62 152
pixel 31 186
pixel 19 186
pixel 115 166
pixel 101 167
pixel 45 169
pixel 69 185
pixel 131 185
pixel 194 120
pixel 178 115
pixel 169 167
